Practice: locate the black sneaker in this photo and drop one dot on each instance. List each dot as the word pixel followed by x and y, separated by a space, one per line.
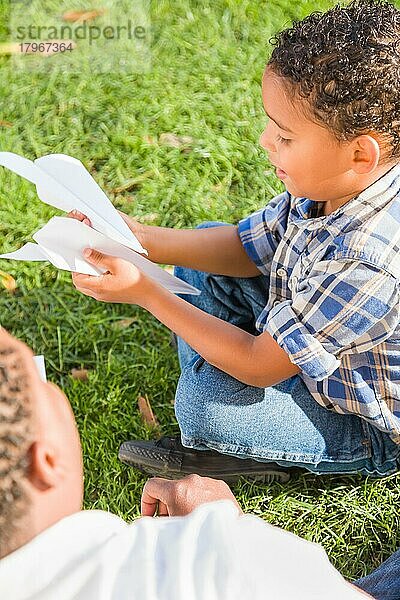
pixel 167 457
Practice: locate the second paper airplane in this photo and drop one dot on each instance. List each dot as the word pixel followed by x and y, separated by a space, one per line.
pixel 63 182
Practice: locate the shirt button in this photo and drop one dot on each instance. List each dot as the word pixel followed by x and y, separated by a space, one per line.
pixel 281 272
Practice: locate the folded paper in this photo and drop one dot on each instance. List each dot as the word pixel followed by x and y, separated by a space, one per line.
pixel 76 236
pixel 41 366
pixel 63 182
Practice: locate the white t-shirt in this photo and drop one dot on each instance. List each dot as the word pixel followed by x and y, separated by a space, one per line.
pixel 213 553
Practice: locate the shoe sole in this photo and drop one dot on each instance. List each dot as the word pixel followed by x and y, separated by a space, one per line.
pixel 267 476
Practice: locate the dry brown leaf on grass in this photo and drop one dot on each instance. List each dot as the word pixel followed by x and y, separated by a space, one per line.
pixel 150 140
pixel 73 16
pixel 8 282
pixel 50 47
pixel 184 142
pixel 5 124
pixel 80 374
pixel 123 323
pixel 147 412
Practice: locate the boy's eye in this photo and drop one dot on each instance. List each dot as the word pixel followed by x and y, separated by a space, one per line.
pixel 281 139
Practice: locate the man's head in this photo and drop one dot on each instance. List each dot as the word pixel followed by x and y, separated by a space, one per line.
pixel 41 477
pixel 333 83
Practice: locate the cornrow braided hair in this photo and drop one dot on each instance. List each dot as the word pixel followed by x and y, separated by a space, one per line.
pixel 346 63
pixel 15 438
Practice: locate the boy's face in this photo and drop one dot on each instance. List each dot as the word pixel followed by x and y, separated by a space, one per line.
pixel 308 158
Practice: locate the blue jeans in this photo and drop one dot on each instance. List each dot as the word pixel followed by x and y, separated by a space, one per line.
pixel 384 582
pixel 282 423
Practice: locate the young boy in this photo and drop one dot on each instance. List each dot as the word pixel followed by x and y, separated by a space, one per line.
pixel 291 354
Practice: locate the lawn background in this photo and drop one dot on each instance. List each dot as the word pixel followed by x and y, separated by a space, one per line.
pixel 204 82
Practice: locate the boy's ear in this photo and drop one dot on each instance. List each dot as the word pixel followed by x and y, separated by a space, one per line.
pixel 44 472
pixel 366 154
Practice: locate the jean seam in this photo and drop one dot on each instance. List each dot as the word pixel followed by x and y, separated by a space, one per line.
pixel 360 465
pixel 256 453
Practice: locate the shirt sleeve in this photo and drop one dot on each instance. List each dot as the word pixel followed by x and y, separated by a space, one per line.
pixel 261 232
pixel 216 553
pixel 342 307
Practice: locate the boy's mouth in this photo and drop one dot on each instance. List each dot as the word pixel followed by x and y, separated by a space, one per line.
pixel 280 173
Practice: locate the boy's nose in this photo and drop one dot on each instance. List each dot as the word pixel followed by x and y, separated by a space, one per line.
pixel 266 140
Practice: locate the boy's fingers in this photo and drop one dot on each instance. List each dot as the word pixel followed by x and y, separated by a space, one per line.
pixel 76 214
pixel 86 291
pixel 99 259
pixel 85 283
pixel 81 279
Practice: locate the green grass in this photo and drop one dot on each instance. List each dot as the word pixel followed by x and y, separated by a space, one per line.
pixel 207 61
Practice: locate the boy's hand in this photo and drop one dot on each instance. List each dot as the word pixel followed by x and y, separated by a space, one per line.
pixel 122 281
pixel 137 228
pixel 75 214
pixel 178 498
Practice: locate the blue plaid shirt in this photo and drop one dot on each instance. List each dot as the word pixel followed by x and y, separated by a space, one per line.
pixel 334 298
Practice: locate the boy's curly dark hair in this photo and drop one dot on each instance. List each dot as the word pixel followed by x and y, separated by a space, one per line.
pixel 346 64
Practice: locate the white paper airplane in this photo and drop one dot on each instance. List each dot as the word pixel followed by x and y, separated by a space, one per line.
pixel 41 366
pixel 63 182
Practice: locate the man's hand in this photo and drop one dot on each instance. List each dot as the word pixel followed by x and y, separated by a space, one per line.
pixel 178 498
pixel 122 281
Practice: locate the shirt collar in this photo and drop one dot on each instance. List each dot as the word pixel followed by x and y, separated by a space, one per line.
pixel 387 185
pixel 375 195
pixel 304 207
